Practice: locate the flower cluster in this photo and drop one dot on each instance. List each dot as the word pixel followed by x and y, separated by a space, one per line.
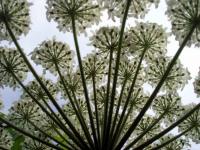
pixel 197 85
pixel 11 63
pixel 35 89
pixel 127 70
pixel 145 123
pixel 168 105
pixel 72 82
pixel 177 78
pixel 5 139
pixel 84 12
pixel 192 123
pixel 185 15
pixel 148 37
pixel 178 144
pixel 23 113
pixel 116 8
pixel 51 54
pixel 16 14
pixel 106 39
pixel 94 67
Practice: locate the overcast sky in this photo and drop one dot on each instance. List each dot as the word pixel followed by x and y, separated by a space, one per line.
pixel 43 30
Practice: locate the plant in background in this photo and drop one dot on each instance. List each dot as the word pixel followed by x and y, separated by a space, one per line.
pixel 105 105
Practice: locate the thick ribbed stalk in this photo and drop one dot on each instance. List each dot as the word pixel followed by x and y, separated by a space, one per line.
pixel 29 135
pixel 42 84
pixel 96 112
pixel 116 72
pixel 146 131
pixel 172 139
pixel 84 81
pixel 77 112
pixel 106 103
pixel 156 90
pixel 130 92
pixel 148 142
pixel 58 122
pixel 119 128
pixel 118 107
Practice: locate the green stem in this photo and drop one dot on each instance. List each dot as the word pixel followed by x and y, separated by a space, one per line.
pixel 130 92
pixel 42 84
pixel 106 103
pixel 30 135
pixel 144 132
pixel 58 122
pixel 96 111
pixel 172 139
pixel 83 80
pixel 156 90
pixel 118 107
pixel 121 124
pixel 77 112
pixel 116 71
pixel 148 142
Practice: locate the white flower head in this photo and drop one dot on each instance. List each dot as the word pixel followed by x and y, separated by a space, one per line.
pixel 16 13
pixel 150 37
pixel 85 13
pixel 116 8
pixel 177 78
pixel 51 53
pixel 11 62
pixel 184 15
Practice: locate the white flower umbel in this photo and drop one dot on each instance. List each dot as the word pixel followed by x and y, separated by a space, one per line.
pixel 177 78
pixel 51 53
pixel 148 37
pixel 25 112
pixel 116 8
pixel 184 15
pixel 85 13
pixel 11 63
pixel 106 39
pixel 16 14
pixel 169 106
pixel 35 89
pixel 5 139
pixel 192 123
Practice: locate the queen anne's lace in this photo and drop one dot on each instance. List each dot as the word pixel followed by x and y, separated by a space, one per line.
pixel 177 78
pixel 51 53
pixel 25 112
pixel 85 13
pixel 106 40
pixel 11 61
pixel 193 122
pixel 150 37
pixel 169 105
pixel 35 89
pixel 184 14
pixel 116 8
pixel 178 144
pixel 16 13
